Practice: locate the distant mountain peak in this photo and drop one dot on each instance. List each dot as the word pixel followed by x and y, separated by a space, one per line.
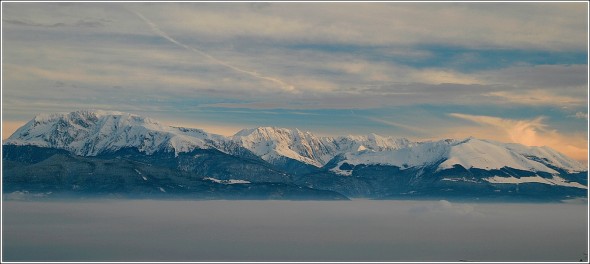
pixel 93 132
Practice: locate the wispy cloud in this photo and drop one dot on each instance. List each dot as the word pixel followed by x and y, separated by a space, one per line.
pixel 255 105
pixel 438 76
pixel 228 64
pixel 530 132
pixel 80 23
pixel 519 131
pixel 399 125
pixel 498 25
pixel 283 85
pixel 539 76
pixel 536 97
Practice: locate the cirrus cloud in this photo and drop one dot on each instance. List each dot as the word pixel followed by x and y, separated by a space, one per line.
pixel 536 97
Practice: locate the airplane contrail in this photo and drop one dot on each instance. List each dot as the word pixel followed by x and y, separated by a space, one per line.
pixel 157 30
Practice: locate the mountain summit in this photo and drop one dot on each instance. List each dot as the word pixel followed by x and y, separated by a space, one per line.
pixel 90 133
pixel 350 165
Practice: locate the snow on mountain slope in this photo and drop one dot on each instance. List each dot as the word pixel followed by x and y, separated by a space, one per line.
pixel 410 156
pixel 548 156
pixel 371 141
pixel 271 143
pixel 555 180
pixel 89 133
pixel 469 153
pixel 482 154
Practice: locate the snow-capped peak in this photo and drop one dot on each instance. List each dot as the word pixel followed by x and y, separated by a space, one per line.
pixel 483 154
pixel 371 141
pixel 272 143
pixel 468 153
pixel 92 132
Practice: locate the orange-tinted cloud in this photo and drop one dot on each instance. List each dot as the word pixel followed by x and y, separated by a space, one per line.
pixel 533 132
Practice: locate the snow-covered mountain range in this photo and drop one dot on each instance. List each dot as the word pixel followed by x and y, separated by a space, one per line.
pixel 91 133
pixel 114 153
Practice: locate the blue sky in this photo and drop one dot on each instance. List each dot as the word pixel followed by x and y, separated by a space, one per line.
pixel 513 72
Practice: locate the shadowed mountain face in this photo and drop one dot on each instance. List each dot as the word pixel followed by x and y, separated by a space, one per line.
pixel 118 154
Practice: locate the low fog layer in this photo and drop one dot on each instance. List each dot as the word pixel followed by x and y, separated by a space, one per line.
pixel 359 230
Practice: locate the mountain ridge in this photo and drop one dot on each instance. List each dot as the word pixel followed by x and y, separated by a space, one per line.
pixel 115 154
pixel 92 132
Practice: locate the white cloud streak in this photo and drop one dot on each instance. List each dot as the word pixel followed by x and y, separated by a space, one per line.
pixel 118 64
pixel 399 125
pixel 283 85
pixel 536 97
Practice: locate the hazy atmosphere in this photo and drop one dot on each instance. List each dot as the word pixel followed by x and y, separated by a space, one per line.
pixel 245 131
pixel 513 72
pixel 293 231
